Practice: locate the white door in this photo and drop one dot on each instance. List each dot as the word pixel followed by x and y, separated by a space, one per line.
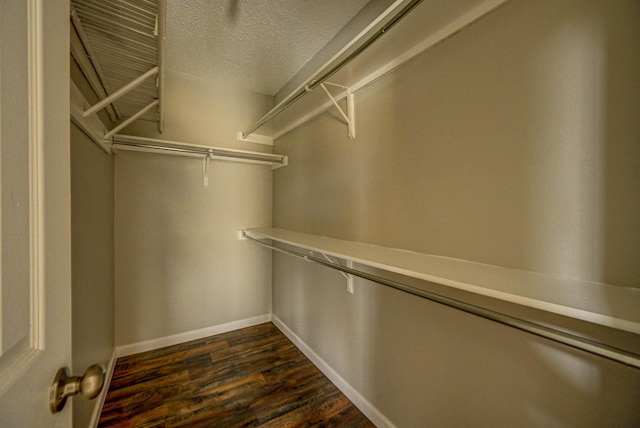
pixel 35 258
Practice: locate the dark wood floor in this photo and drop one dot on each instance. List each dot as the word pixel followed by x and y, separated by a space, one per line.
pixel 249 377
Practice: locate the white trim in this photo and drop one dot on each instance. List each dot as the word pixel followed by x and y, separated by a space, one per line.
pixel 36 173
pixel 175 339
pixel 97 409
pixel 369 410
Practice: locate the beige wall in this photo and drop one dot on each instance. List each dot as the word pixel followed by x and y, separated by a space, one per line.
pixel 179 266
pixel 513 143
pixel 92 261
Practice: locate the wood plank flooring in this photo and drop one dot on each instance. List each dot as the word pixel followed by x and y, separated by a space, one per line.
pixel 246 378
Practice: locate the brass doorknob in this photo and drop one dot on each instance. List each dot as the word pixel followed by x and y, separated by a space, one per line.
pixel 64 386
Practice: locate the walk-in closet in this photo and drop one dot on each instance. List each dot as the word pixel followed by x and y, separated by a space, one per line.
pixel 391 213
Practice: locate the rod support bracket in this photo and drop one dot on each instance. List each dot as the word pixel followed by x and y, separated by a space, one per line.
pixel 350 115
pixel 347 276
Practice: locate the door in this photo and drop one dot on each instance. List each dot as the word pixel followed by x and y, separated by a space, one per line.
pixel 35 261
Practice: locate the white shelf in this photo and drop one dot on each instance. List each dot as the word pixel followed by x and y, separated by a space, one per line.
pixel 613 306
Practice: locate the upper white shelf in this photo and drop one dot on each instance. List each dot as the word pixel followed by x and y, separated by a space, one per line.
pixel 613 306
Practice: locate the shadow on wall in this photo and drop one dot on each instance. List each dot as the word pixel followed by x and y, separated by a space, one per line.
pixel 530 163
pixel 584 194
pixel 160 245
pixel 443 367
pixel 514 143
pixel 179 265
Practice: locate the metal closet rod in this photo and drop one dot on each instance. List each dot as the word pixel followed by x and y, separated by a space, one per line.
pixel 574 341
pixel 206 152
pixel 315 81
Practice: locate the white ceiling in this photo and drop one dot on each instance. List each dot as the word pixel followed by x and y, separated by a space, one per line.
pixel 257 45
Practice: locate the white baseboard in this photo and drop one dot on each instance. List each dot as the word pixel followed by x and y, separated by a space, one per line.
pixel 149 345
pixel 352 394
pixel 97 410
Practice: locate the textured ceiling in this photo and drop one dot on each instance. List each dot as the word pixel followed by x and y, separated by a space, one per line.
pixel 251 44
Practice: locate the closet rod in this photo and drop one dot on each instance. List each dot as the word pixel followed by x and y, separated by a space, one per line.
pixel 302 90
pixel 577 342
pixel 204 151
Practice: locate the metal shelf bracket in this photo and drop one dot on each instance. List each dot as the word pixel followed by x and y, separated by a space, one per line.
pixel 349 116
pixel 347 276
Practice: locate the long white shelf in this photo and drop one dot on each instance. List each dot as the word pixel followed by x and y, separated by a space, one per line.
pixel 609 305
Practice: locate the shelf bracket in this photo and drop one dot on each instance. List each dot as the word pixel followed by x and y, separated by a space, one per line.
pixel 349 116
pixel 347 276
pixel 205 174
